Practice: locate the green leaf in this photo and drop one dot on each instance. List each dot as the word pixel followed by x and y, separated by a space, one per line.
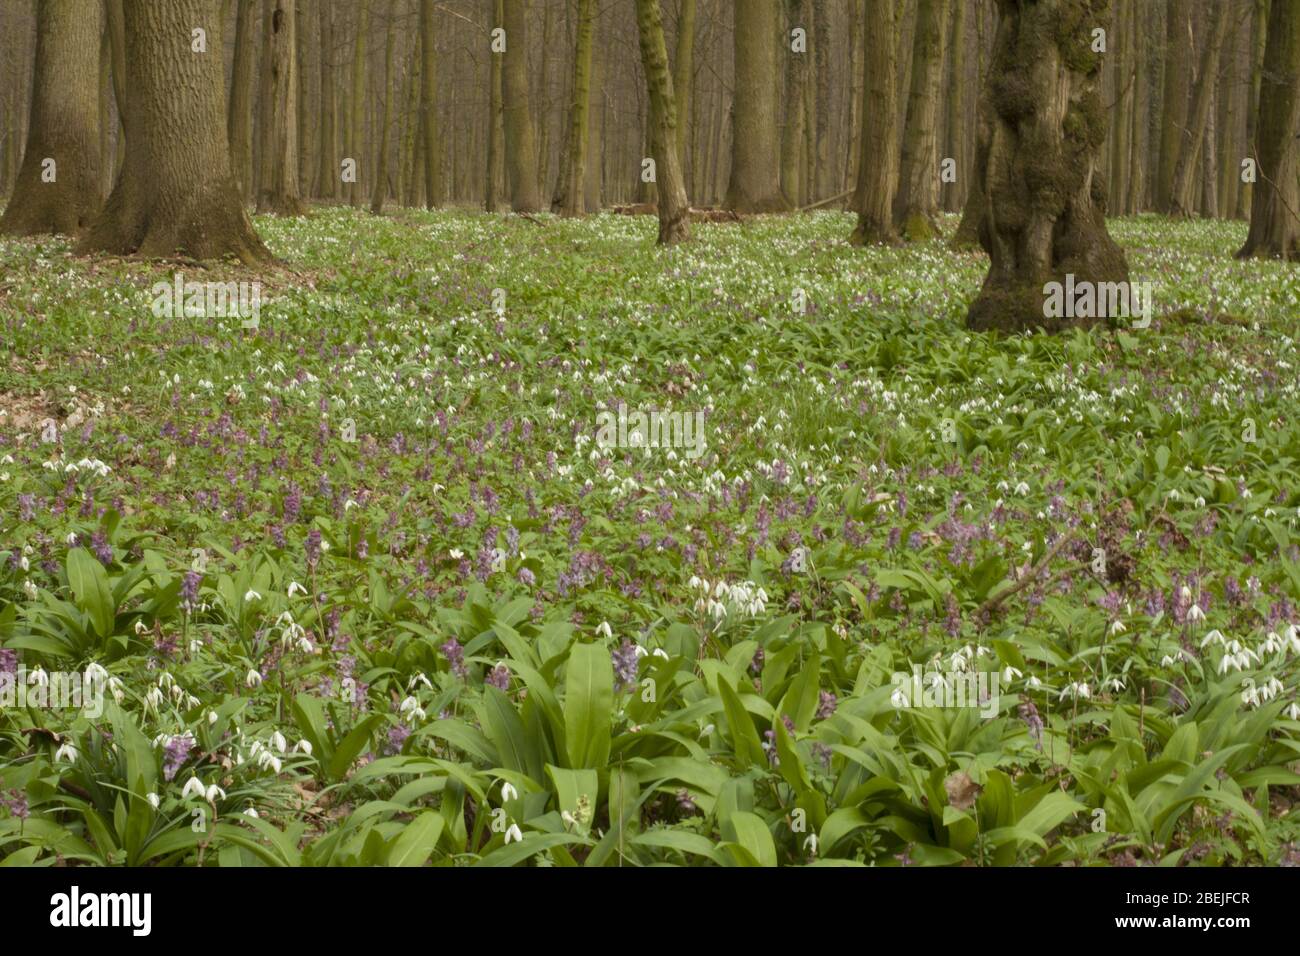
pixel 91 593
pixel 417 842
pixel 588 702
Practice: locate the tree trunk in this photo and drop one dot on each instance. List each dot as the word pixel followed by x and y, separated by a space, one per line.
pixel 755 185
pixel 239 120
pixel 307 67
pixel 58 188
pixel 796 72
pixel 1141 105
pixel 380 192
pixel 818 117
pixel 357 108
pixel 684 77
pixel 327 173
pixel 1178 60
pixel 116 26
pixel 575 176
pixel 429 104
pixel 594 176
pixel 878 156
pixel 1182 202
pixel 279 192
pixel 176 193
pixel 1274 222
pixel 1259 30
pixel 521 134
pixel 494 158
pixel 855 93
pixel 674 209
pixel 1044 219
pixel 958 110
pixel 916 206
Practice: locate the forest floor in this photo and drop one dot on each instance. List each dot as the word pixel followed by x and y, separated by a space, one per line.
pixel 371 571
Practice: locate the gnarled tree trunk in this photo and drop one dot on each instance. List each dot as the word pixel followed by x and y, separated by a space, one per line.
pixel 1044 213
pixel 58 188
pixel 176 193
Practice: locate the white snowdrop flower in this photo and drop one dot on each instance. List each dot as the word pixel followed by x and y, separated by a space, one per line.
pixel 604 628
pixel 66 752
pixel 141 627
pixel 267 759
pixel 193 788
pixel 1250 694
pixel 514 834
pixel 1032 682
pixel 1115 685
pixel 115 688
pixel 212 717
pixel 1272 643
pixel 39 678
pixel 30 589
pixel 1117 627
pixel 154 699
pixel 1077 690
pixel 303 747
pixel 95 673
pixel 24 564
pixel 418 679
pixel 214 792
pixel 456 553
pixel 296 588
pixel 898 698
pixel 1194 613
pixel 660 652
pixel 1185 593
pixel 1215 635
pixel 1200 502
pixel 508 791
pixel 250 596
pixel 1293 711
pixel 253 679
pixel 1226 663
pixel 278 742
pixel 250 812
pixel 1022 489
pixel 1010 673
pixel 196 647
pixel 155 801
pixel 72 539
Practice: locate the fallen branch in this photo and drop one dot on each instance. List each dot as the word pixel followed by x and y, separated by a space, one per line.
pixel 994 602
pixel 826 202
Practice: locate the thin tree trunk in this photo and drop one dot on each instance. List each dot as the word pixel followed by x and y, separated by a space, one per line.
pixel 878 162
pixel 1181 198
pixel 429 105
pixel 357 108
pixel 1259 38
pixel 674 208
pixel 916 206
pixel 594 176
pixel 521 133
pixel 380 192
pixel 575 176
pixel 327 173
pixel 796 72
pixel 1178 60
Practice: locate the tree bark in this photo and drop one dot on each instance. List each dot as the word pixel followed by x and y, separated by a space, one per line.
pixel 429 104
pixel 796 72
pixel 380 192
pixel 1274 220
pixel 1181 199
pixel 1044 218
pixel 239 119
pixel 1178 60
pixel 327 173
pixel 594 176
pixel 357 108
pixel 878 156
pixel 755 185
pixel 176 193
pixel 674 209
pixel 280 192
pixel 916 206
pixel 575 176
pixel 58 188
pixel 521 133
pixel 684 77
pixel 494 157
pixel 1259 30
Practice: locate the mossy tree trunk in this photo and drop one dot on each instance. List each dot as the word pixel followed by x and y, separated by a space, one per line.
pixel 674 209
pixel 279 191
pixel 1044 213
pixel 755 184
pixel 521 133
pixel 58 187
pixel 1275 200
pixel 878 153
pixel 176 194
